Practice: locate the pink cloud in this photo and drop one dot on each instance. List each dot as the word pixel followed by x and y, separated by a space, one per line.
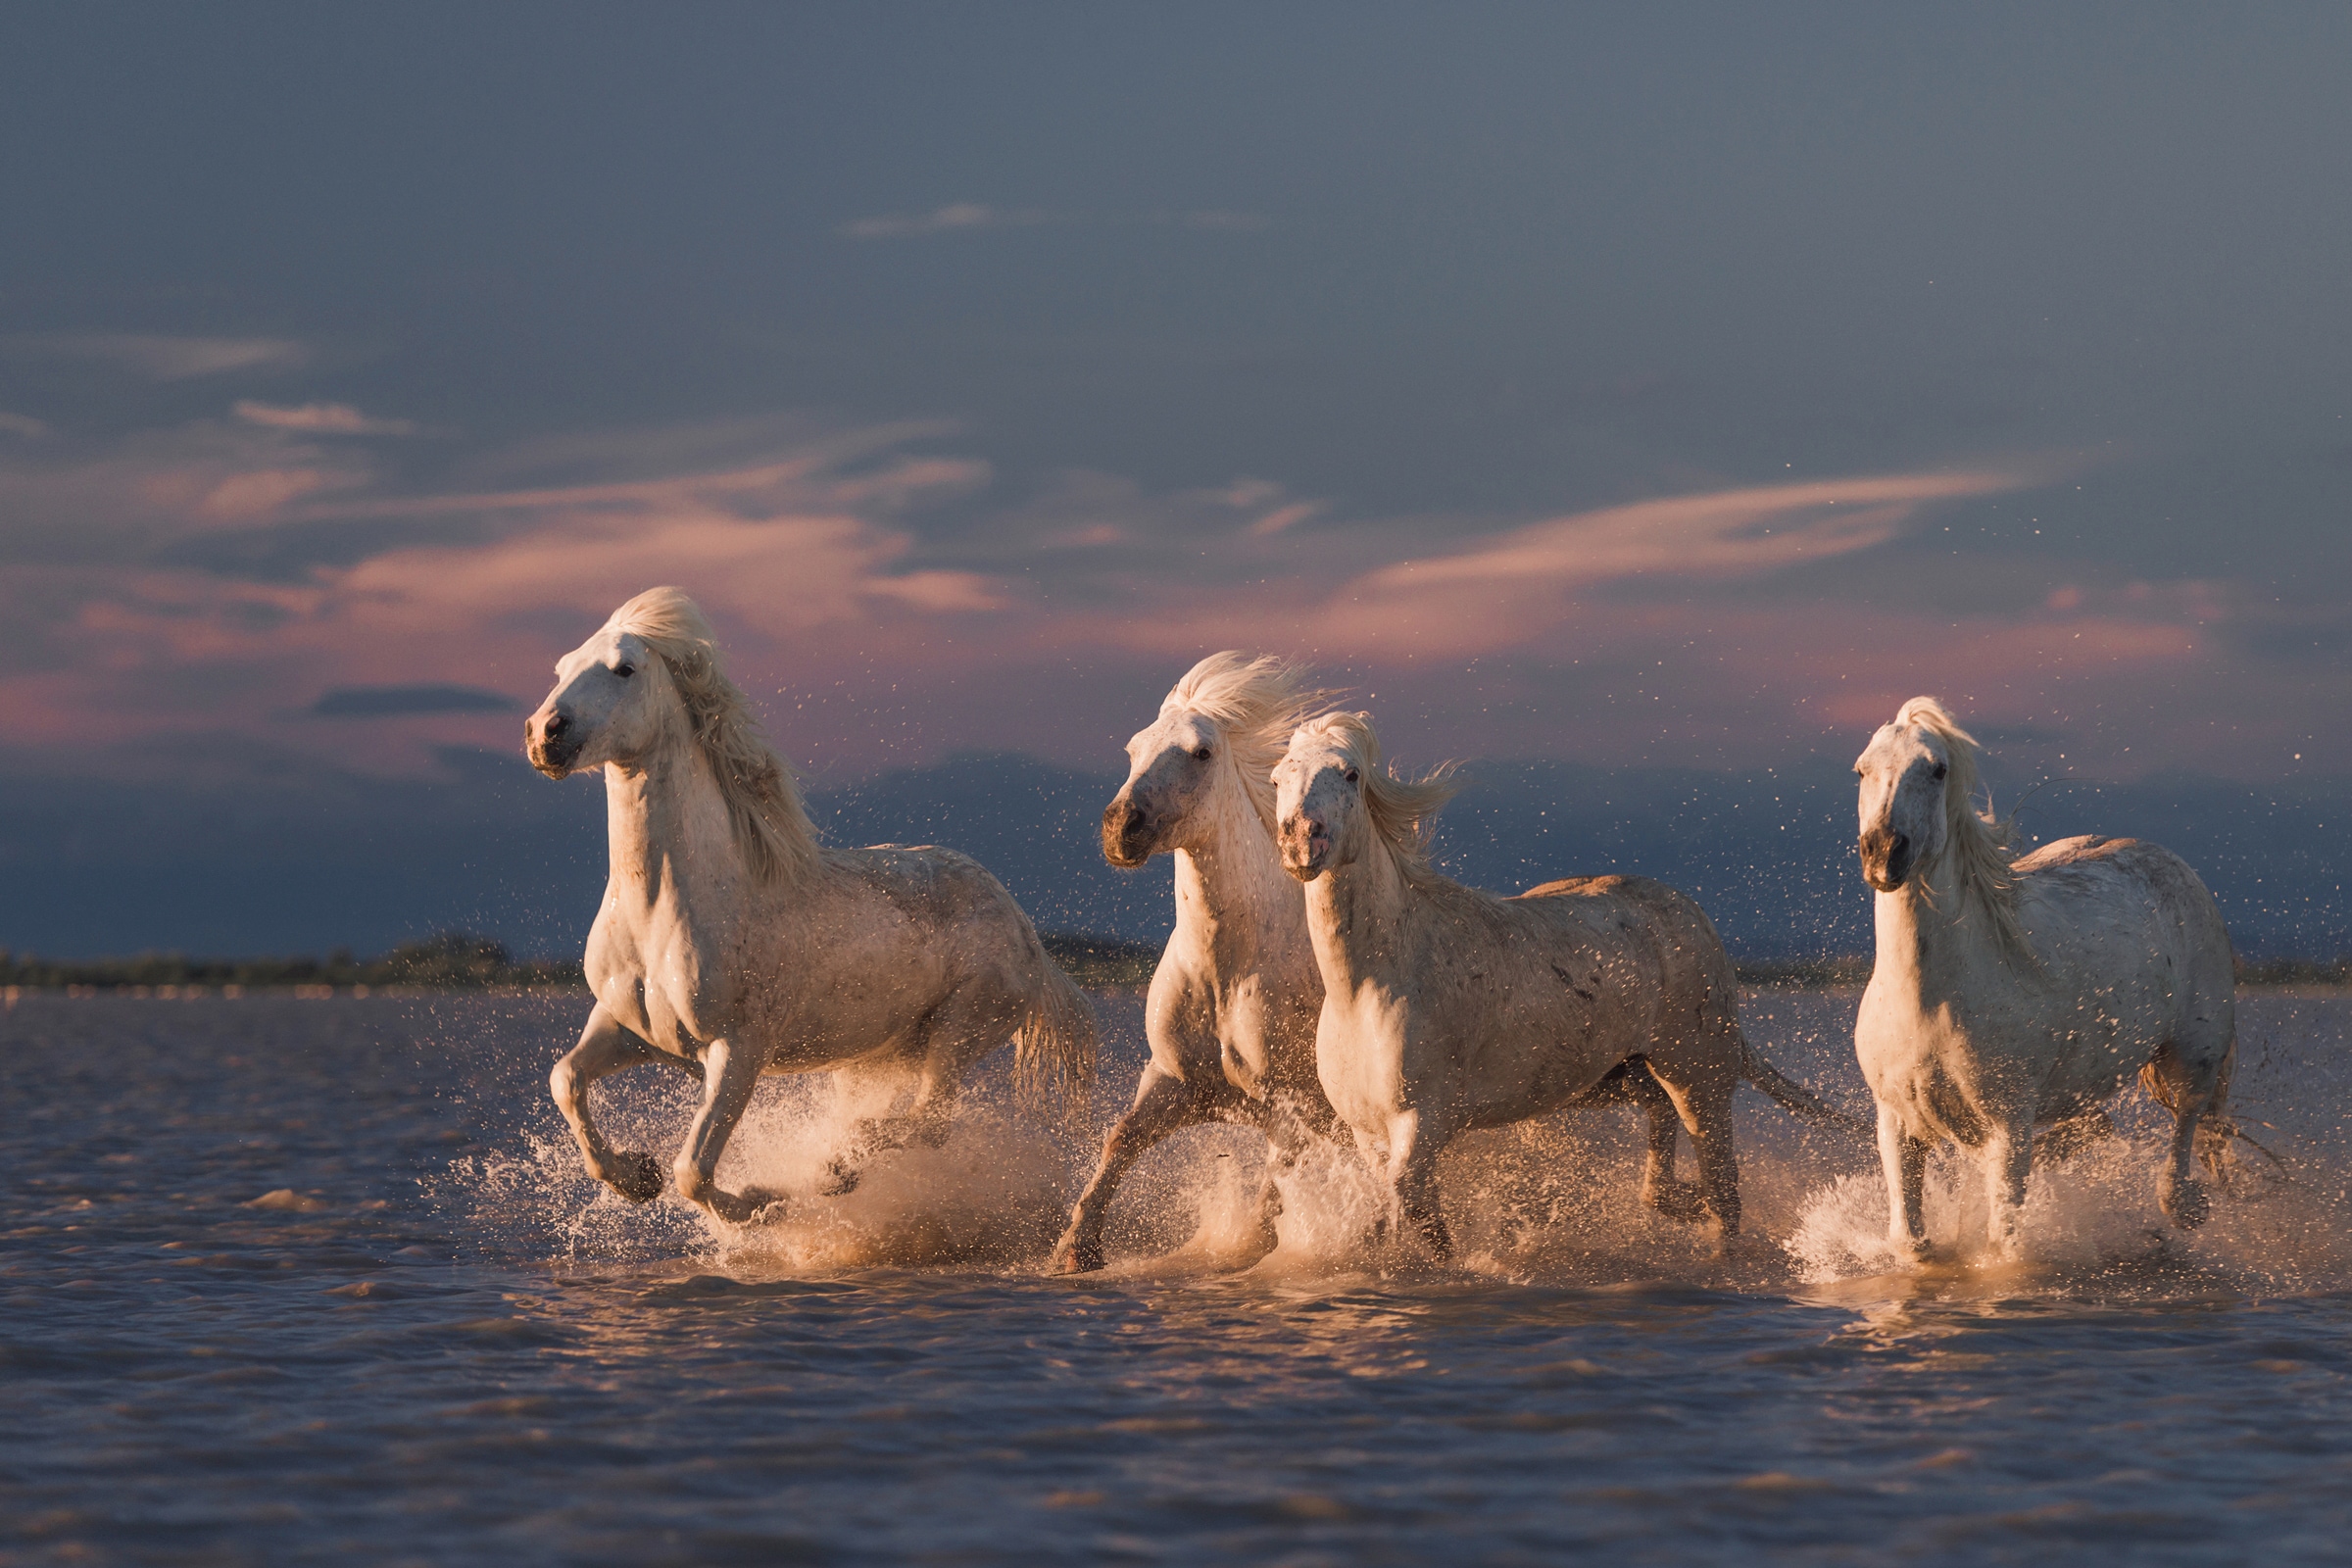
pixel 1036 627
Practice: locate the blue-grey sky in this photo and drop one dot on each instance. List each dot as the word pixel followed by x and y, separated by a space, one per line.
pixel 1644 386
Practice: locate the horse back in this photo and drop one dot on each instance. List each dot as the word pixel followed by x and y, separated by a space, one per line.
pixel 1663 929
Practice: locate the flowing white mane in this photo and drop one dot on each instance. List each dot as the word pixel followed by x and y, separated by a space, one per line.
pixel 1258 702
pixel 1402 812
pixel 1977 842
pixel 764 803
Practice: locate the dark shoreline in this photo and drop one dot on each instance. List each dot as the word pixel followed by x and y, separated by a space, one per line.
pixel 458 963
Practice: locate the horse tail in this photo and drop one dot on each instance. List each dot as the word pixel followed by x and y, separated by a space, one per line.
pixel 1794 1097
pixel 1054 1049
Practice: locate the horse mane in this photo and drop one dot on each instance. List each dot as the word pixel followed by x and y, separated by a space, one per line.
pixel 1977 842
pixel 1258 702
pixel 763 802
pixel 1402 812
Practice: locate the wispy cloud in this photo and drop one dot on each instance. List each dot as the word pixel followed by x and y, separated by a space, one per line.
pixel 1499 589
pixel 162 357
pixel 320 419
pixel 955 217
pixel 973 217
pixel 23 424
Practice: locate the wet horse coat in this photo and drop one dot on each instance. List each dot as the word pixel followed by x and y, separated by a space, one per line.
pixel 732 943
pixel 1447 1009
pixel 2006 996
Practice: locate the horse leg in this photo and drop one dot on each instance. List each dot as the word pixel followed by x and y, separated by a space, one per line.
pixel 1676 1199
pixel 1905 1160
pixel 1287 1136
pixel 1702 1101
pixel 959 1030
pixel 2008 1161
pixel 1414 1184
pixel 2174 1084
pixel 605 1047
pixel 729 1075
pixel 1162 1105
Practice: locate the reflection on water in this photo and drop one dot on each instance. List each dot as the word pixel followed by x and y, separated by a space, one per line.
pixel 436 1342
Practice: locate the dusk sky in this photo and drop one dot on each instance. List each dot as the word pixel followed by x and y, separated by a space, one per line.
pixel 1644 386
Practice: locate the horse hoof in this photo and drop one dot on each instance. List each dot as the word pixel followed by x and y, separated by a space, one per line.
pixel 840 1180
pixel 635 1176
pixel 2188 1206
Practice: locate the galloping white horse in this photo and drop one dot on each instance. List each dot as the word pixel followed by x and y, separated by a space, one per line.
pixel 2009 995
pixel 731 943
pixel 1231 1016
pixel 1447 1009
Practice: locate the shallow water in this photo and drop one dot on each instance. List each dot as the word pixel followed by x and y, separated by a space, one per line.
pixel 434 1341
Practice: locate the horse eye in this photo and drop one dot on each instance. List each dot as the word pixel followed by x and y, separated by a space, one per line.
pixel 1350 775
pixel 624 672
pixel 1941 769
pixel 1202 753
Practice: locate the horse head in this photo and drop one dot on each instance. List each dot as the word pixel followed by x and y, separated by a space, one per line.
pixel 1177 768
pixel 608 705
pixel 1904 772
pixel 1318 796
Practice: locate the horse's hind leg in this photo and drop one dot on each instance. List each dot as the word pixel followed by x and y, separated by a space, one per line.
pixel 964 1028
pixel 2191 1096
pixel 1676 1199
pixel 2008 1158
pixel 729 1076
pixel 605 1047
pixel 1163 1104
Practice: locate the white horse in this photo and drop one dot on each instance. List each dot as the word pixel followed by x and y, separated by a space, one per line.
pixel 2006 995
pixel 1447 1009
pixel 1231 1016
pixel 733 943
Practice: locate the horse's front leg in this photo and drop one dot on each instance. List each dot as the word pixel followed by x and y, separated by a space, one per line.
pixel 605 1047
pixel 730 1074
pixel 1413 1183
pixel 1905 1158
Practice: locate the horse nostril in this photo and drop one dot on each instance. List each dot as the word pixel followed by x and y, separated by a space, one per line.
pixel 1901 842
pixel 556 725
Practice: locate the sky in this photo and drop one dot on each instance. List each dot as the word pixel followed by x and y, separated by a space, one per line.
pixel 1644 387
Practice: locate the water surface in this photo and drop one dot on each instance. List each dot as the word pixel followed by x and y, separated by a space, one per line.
pixel 432 1340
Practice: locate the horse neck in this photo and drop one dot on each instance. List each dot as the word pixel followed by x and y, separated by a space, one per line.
pixel 667 826
pixel 1355 914
pixel 1923 941
pixel 1234 901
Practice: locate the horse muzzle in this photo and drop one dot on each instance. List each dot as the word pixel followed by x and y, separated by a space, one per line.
pixel 1127 837
pixel 550 744
pixel 1305 846
pixel 1887 859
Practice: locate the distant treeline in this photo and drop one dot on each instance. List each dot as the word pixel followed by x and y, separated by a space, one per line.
pixel 457 961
